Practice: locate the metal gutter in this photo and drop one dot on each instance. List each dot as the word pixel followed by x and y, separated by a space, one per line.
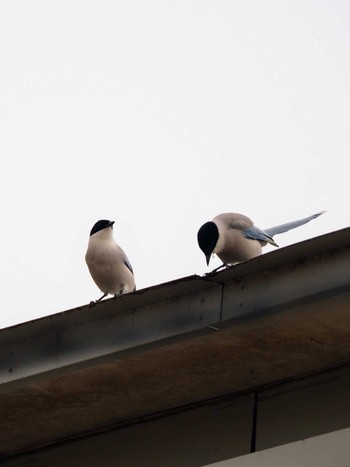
pixel 152 316
pixel 276 317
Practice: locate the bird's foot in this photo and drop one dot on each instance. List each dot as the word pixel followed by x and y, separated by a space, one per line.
pixel 94 302
pixel 119 294
pixel 222 266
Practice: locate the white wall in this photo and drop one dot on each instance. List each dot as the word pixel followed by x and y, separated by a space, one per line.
pixel 329 450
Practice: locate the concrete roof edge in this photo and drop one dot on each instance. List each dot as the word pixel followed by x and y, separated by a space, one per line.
pixel 322 244
pixel 155 314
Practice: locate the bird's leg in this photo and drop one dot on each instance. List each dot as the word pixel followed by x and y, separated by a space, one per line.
pixel 103 296
pixel 93 302
pixel 121 291
pixel 222 266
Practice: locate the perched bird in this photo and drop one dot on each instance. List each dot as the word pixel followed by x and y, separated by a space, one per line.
pixel 107 262
pixel 234 238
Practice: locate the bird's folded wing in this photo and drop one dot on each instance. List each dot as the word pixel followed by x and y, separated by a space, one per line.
pixel 290 225
pixel 128 265
pixel 254 233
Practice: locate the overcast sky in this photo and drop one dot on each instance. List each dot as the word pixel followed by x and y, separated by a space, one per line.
pixel 161 114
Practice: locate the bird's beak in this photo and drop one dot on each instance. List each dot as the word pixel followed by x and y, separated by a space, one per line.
pixel 111 224
pixel 207 257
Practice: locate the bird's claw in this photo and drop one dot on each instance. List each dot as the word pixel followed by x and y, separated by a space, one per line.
pixel 118 294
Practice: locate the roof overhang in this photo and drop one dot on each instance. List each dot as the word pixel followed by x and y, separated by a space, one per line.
pixel 278 316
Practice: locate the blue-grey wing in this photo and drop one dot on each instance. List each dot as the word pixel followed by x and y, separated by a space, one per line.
pixel 254 233
pixel 290 225
pixel 128 265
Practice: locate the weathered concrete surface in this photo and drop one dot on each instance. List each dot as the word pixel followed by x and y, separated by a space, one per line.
pixel 276 317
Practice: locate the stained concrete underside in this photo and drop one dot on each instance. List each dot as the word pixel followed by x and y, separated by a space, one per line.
pixel 167 348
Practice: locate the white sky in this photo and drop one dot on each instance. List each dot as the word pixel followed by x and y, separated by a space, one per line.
pixel 159 115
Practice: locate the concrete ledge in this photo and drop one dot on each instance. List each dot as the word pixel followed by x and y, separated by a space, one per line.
pixel 281 315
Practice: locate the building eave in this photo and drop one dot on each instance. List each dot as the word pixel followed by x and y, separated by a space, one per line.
pixel 280 315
